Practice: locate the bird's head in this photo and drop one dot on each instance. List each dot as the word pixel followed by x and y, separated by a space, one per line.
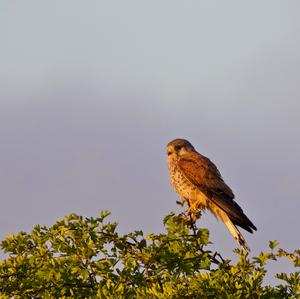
pixel 179 147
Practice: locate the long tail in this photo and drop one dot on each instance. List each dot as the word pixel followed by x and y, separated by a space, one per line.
pixel 224 217
pixel 236 233
pixel 230 226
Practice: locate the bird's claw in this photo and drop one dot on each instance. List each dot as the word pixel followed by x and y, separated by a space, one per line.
pixel 188 218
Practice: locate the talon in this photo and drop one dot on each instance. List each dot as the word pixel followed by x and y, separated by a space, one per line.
pixel 188 218
pixel 185 217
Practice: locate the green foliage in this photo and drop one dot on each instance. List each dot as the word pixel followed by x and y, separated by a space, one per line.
pixel 87 258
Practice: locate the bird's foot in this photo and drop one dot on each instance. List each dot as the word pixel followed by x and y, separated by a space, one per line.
pixel 188 218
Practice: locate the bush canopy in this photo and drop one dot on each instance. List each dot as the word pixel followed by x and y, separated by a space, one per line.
pixel 81 257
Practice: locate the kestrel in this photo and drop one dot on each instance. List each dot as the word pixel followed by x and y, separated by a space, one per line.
pixel 198 182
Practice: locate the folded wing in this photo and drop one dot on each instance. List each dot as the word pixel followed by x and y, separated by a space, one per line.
pixel 200 171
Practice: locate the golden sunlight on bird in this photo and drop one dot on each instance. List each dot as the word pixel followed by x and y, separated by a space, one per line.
pixel 199 183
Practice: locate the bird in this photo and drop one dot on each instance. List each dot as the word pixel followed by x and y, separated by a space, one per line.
pixel 198 182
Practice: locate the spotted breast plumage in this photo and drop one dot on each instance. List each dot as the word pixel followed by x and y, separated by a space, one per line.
pixel 199 183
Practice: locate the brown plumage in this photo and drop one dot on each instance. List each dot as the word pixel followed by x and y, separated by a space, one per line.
pixel 198 181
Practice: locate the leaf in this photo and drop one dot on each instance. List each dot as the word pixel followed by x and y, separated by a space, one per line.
pixel 80 257
pixel 273 244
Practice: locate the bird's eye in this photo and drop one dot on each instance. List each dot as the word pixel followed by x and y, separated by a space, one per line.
pixel 178 147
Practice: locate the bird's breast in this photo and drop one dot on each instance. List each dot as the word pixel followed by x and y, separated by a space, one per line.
pixel 184 188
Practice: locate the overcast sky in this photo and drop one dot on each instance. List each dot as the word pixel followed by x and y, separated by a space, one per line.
pixel 92 91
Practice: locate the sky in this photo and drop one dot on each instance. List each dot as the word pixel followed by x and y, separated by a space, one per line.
pixel 92 91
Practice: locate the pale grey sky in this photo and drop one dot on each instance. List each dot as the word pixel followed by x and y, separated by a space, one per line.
pixel 91 92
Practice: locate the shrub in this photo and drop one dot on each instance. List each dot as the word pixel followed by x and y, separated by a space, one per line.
pixel 81 257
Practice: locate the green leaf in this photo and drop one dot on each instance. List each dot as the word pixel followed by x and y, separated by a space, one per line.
pixel 273 244
pixel 80 257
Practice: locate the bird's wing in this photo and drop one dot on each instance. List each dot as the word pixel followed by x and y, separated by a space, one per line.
pixel 204 174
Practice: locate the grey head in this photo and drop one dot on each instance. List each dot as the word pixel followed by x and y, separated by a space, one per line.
pixel 179 146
